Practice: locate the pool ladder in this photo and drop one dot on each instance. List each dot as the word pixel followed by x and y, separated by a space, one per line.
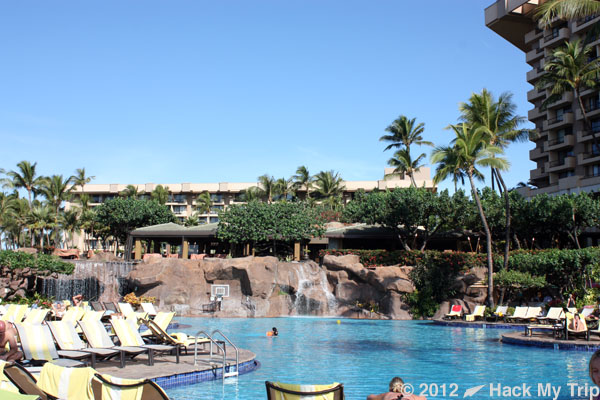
pixel 223 350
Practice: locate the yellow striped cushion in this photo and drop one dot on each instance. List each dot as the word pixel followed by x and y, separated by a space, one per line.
pixel 304 388
pixel 67 383
pixel 116 393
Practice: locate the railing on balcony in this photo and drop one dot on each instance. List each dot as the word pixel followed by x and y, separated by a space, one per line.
pixel 553 35
pixel 591 155
pixel 557 163
pixel 558 119
pixel 557 141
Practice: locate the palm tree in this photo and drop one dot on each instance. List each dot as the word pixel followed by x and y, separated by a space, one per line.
pixel 253 193
pixel 25 178
pixel 39 220
pixel 160 194
pixel 192 220
pixel 56 190
pixel 570 69
pixel 404 164
pixel 284 188
pixel 498 120
pixel 204 203
pixel 267 184
pixel 80 178
pixel 131 191
pixel 473 150
pixel 70 223
pixel 329 187
pixel 450 165
pixel 565 10
pixel 303 180
pixel 404 133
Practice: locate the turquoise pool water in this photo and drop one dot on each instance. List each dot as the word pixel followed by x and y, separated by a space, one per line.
pixel 364 355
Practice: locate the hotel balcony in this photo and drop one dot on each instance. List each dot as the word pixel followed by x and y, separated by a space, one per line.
pixel 567 119
pixel 588 158
pixel 536 113
pixel 537 153
pixel 584 23
pixel 535 34
pixel 555 38
pixel 535 94
pixel 586 136
pixel 556 144
pixel 534 74
pixel 568 182
pixel 566 98
pixel 533 55
pixel 538 173
pixel 560 165
pixel 594 111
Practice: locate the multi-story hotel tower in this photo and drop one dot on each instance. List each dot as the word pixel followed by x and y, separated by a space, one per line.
pixel 566 158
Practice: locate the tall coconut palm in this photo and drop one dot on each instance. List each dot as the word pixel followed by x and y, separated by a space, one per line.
pixel 502 127
pixel 25 177
pixel 570 69
pixel 69 222
pixel 473 151
pixel 80 178
pixel 253 193
pixel 404 164
pixel 284 188
pixel 267 184
pixel 404 133
pixel 329 187
pixel 160 194
pixel 131 191
pixel 204 203
pixel 450 165
pixel 303 180
pixel 565 10
pixel 39 220
pixel 56 190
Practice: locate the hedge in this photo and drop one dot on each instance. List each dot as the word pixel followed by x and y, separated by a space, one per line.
pixel 41 262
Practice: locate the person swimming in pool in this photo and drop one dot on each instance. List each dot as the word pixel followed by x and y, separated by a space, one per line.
pixel 396 392
pixel 273 332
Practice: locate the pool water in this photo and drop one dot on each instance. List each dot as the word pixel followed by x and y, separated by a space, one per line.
pixel 441 362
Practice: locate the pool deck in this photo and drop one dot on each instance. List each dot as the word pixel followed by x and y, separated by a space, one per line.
pixel 167 373
pixel 478 324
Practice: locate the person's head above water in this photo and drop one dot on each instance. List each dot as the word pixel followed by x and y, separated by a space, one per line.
pixel 275 332
pixel 396 385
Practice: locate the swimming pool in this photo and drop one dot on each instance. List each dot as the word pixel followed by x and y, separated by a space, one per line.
pixel 364 355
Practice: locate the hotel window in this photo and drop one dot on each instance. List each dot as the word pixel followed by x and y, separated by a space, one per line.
pixel 214 219
pixel 216 198
pixel 595 170
pixel 566 174
pixel 595 149
pixel 96 198
pixel 593 103
pixel 179 209
pixel 596 125
pixel 176 198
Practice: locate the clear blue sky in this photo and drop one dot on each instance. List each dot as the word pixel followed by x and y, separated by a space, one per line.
pixel 199 91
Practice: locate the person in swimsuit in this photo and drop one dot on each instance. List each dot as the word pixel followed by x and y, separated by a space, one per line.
pixel 8 334
pixel 396 392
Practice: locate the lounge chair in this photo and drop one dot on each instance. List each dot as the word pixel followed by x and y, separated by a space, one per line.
pixel 587 312
pixel 93 316
pixel 24 381
pixel 478 313
pixel 98 338
pixel 73 314
pixel 149 308
pixel 38 347
pixel 531 315
pixel 162 319
pixel 278 390
pixel 129 336
pixel 520 312
pixel 102 385
pixel 455 312
pixel 15 313
pixel 67 338
pixel 569 331
pixel 53 382
pixel 36 316
pixel 96 306
pixel 180 339
pixel 500 312
pixel 125 309
pixel 6 384
pixel 555 314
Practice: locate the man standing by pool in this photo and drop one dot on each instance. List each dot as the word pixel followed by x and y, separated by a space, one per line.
pixel 396 392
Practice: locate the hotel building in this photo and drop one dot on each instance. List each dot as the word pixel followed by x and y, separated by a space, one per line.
pixel 566 159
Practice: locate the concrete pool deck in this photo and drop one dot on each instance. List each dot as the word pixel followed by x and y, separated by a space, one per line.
pixel 167 373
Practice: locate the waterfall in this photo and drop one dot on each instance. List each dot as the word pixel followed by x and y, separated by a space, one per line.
pixel 313 296
pixel 95 280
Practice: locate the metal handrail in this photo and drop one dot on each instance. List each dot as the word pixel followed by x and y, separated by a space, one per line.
pixel 211 343
pixel 237 352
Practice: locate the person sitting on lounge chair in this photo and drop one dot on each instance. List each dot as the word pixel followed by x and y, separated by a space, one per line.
pixel 577 325
pixel 8 335
pixel 396 392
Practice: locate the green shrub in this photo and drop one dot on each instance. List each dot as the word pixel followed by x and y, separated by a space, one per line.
pixel 42 262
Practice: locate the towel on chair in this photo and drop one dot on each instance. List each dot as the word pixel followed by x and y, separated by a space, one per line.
pixel 116 393
pixel 67 383
pixel 5 384
pixel 304 388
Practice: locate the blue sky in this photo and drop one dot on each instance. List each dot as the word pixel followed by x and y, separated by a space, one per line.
pixel 198 91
